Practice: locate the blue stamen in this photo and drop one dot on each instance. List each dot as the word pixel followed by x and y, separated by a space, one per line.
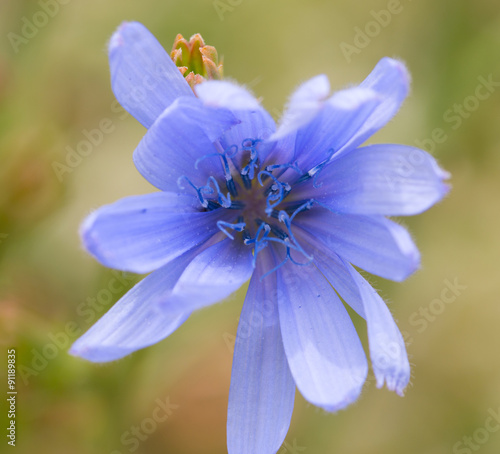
pixel 278 232
pixel 239 227
pixel 293 165
pixel 203 201
pixel 288 246
pixel 211 198
pixel 315 171
pixel 229 152
pixel 278 187
pixel 237 205
pixel 276 268
pixel 287 220
pixel 305 206
pixel 247 182
pixel 225 201
pixel 209 155
pixel 252 147
pixel 262 227
pixel 212 205
pixel 231 187
pixel 275 214
pixel 249 169
pixel 260 243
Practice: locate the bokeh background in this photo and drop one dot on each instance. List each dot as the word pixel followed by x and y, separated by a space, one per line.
pixel 54 86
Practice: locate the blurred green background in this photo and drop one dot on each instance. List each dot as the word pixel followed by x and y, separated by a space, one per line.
pixel 54 86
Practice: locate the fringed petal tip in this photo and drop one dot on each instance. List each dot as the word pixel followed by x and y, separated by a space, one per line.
pixel 390 360
pixel 396 382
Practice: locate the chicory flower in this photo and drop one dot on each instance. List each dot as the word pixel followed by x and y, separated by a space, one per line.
pixel 292 208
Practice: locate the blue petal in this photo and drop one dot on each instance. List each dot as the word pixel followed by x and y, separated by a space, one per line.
pixel 391 81
pixel 179 142
pixel 143 233
pixel 135 322
pixel 323 350
pixel 304 105
pixel 144 78
pixel 262 389
pixel 255 122
pixel 387 348
pixel 256 125
pixel 341 117
pixel 219 93
pixel 280 151
pixel 391 180
pixel 376 244
pixel 213 275
pixel 334 270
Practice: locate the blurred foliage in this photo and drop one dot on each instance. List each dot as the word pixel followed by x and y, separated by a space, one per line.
pixel 54 86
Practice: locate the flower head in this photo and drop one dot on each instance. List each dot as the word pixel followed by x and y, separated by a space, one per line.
pixel 292 208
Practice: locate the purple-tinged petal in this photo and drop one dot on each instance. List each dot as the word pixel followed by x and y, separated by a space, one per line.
pixel 341 117
pixel 221 93
pixel 135 322
pixel 393 180
pixel 391 81
pixel 304 105
pixel 255 122
pixel 281 151
pixel 387 348
pixel 179 142
pixel 213 275
pixel 324 353
pixel 144 78
pixel 255 125
pixel 374 243
pixel 262 389
pixel 334 270
pixel 143 233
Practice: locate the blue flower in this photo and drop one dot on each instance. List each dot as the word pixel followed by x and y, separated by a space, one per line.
pixel 291 208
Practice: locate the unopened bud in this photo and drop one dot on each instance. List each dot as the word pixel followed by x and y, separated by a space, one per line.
pixel 197 62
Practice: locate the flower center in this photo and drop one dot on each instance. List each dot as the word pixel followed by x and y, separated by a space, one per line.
pixel 255 195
